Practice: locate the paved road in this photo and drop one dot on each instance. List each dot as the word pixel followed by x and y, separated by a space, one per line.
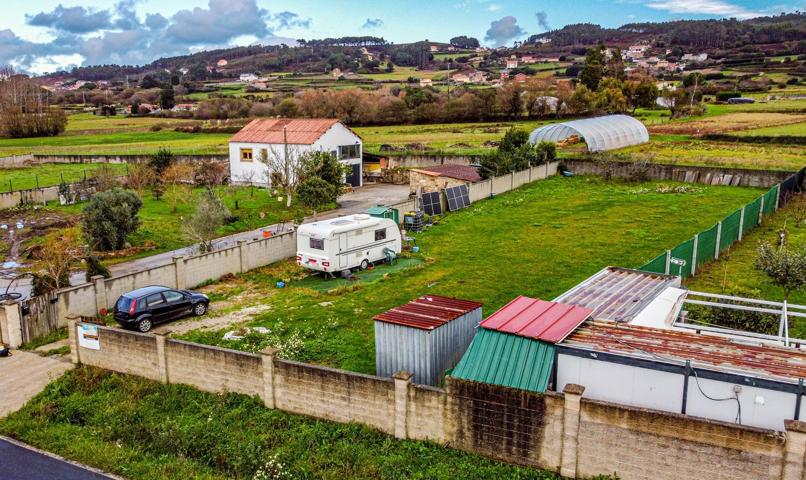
pixel 22 462
pixel 350 203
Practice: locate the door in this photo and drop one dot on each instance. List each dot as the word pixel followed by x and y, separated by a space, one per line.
pixel 354 178
pixel 178 303
pixel 344 257
pixel 158 307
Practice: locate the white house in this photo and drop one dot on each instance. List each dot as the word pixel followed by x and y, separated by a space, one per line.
pixel 247 77
pixel 268 137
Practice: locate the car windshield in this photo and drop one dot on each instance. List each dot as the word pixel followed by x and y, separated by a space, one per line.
pixel 124 303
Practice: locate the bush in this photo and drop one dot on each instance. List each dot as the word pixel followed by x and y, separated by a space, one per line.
pixel 110 217
pixel 546 152
pixel 161 160
pixel 725 96
pixel 95 267
pixel 316 193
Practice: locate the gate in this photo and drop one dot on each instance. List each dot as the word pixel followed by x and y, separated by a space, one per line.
pixel 39 317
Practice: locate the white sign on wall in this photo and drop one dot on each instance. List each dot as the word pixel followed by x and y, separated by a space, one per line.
pixel 88 336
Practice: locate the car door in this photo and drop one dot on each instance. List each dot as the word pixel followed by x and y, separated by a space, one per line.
pixel 158 307
pixel 178 303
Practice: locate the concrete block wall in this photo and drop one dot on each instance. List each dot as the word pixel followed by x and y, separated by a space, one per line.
pixel 501 184
pixel 266 251
pixel 213 369
pixel 16 161
pixel 114 287
pixel 480 190
pixel 212 266
pixel 335 395
pixel 561 432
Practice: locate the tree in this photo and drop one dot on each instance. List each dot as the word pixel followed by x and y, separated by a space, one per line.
pixel 167 100
pixel 390 67
pixel 546 152
pixel 148 82
pixel 509 100
pixel 177 179
pixel 610 97
pixel 785 266
pixel 315 193
pixel 25 110
pixel 324 165
pixel 161 160
pixel 109 218
pixel 284 169
pixel 463 41
pixel 641 92
pixel 95 267
pixel 594 68
pixel 209 216
pixel 140 177
pixel 59 254
pixel 513 139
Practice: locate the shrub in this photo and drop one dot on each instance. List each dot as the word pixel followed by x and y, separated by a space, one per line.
pixel 546 152
pixel 316 193
pixel 725 96
pixel 161 160
pixel 110 217
pixel 95 267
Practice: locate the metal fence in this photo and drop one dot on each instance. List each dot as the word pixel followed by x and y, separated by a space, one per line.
pixel 686 258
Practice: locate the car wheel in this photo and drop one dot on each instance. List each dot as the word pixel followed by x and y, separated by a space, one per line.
pixel 144 325
pixel 200 309
pixel 364 264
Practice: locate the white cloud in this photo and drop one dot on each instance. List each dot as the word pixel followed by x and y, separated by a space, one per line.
pixel 717 8
pixel 493 7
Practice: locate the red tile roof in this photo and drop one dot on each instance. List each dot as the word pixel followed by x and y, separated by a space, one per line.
pixel 678 346
pixel 299 131
pixel 428 312
pixel 528 317
pixel 459 172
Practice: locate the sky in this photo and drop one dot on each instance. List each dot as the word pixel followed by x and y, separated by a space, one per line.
pixel 38 36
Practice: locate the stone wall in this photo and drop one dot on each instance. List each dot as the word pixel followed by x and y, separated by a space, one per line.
pixel 560 432
pixel 122 158
pixel 410 161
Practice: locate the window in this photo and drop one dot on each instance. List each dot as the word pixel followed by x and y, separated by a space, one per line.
pixel 246 154
pixel 317 243
pixel 380 234
pixel 350 151
pixel 155 300
pixel 171 296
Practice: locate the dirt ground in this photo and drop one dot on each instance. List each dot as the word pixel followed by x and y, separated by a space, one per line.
pixel 15 242
pixel 727 123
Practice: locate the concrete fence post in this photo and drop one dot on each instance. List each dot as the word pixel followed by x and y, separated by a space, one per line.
pixel 741 224
pixel 794 450
pixel 694 254
pixel 761 211
pixel 511 181
pixel 162 356
pixel 72 340
pixel 243 257
pixel 531 168
pixel 100 292
pixel 12 323
pixel 718 240
pixel 778 197
pixel 269 397
pixel 571 411
pixel 402 382
pixel 179 271
pixel 668 261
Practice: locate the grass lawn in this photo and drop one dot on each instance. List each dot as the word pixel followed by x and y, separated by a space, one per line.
pixel 795 129
pixel 735 269
pixel 118 143
pixel 539 240
pixel 685 150
pixel 49 174
pixel 87 123
pixel 164 227
pixel 142 429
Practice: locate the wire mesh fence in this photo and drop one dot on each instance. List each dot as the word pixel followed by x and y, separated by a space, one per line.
pixel 686 258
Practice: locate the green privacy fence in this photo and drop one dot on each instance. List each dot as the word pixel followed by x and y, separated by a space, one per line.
pixel 685 259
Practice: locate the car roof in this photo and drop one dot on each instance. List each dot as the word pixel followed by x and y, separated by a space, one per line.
pixel 141 292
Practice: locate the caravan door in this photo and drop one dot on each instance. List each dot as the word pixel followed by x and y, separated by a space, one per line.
pixel 343 257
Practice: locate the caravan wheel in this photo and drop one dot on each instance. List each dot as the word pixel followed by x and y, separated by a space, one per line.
pixel 365 264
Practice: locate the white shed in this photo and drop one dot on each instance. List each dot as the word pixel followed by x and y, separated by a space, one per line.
pixel 293 137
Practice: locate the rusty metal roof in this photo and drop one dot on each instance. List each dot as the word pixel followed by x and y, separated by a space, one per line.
pixel 298 131
pixel 466 173
pixel 428 312
pixel 702 350
pixel 537 319
pixel 618 294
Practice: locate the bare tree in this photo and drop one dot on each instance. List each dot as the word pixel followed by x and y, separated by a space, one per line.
pixel 59 254
pixel 210 215
pixel 140 177
pixel 284 167
pixel 178 180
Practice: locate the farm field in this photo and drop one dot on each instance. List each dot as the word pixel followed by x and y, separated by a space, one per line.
pixel 795 130
pixel 735 273
pixel 539 240
pixel 89 124
pixel 142 429
pixel 403 73
pixel 49 174
pixel 121 142
pixel 728 122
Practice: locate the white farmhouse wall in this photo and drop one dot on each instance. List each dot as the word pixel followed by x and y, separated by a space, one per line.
pixel 255 171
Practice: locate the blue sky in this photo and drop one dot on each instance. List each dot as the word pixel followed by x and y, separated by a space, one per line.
pixel 43 35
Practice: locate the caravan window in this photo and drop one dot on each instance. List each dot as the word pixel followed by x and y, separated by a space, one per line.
pixel 380 234
pixel 316 243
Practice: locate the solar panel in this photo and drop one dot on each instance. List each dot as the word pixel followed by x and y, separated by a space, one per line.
pixel 431 203
pixel 458 197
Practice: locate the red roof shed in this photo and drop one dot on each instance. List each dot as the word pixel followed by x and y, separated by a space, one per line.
pixel 538 319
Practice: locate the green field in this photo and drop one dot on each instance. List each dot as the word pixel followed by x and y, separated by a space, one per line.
pixel 49 174
pixel 402 73
pixel 795 130
pixel 735 273
pixel 539 240
pixel 142 429
pixel 118 143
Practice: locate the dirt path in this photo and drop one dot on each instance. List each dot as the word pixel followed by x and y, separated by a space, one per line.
pixel 24 374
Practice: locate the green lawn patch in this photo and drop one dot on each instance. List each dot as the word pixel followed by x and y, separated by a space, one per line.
pixel 320 283
pixel 539 240
pixel 118 143
pixel 142 429
pixel 49 174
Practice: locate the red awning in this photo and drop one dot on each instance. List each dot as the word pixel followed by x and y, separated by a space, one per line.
pixel 528 317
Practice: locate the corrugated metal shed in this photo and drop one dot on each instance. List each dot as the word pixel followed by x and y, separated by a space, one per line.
pixel 618 294
pixel 509 360
pixel 537 319
pixel 426 336
pixel 709 351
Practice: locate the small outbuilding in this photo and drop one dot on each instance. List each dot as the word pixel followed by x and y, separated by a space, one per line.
pixel 439 177
pixel 426 336
pixel 609 132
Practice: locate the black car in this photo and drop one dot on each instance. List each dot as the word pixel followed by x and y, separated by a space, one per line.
pixel 145 307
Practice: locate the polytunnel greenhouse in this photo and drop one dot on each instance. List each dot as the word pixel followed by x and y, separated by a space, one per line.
pixel 609 132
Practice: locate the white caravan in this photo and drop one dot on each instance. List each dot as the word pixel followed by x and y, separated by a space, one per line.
pixel 346 242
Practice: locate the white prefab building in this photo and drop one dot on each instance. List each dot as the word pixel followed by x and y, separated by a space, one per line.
pixel 343 243
pixel 278 137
